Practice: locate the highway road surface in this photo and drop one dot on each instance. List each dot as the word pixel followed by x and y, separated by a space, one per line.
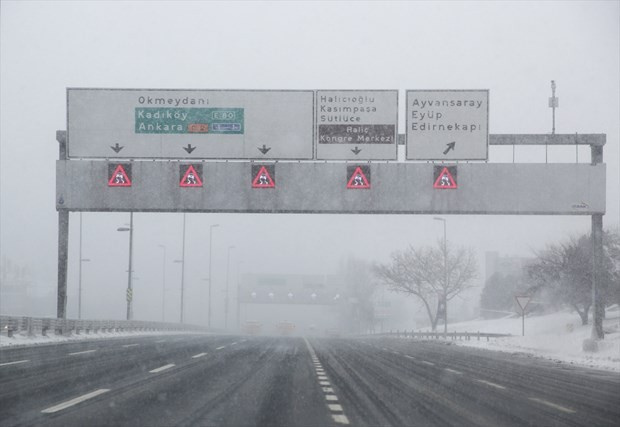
pixel 206 380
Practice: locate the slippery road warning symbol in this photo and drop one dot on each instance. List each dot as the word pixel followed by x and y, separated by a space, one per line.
pixel 191 175
pixel 263 176
pixel 358 177
pixel 119 175
pixel 445 177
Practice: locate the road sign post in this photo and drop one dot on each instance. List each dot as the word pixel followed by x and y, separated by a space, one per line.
pixel 523 301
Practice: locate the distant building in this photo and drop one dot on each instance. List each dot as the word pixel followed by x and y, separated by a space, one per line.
pixel 304 304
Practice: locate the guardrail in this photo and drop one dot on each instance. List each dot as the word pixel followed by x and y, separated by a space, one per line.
pixel 467 336
pixel 33 326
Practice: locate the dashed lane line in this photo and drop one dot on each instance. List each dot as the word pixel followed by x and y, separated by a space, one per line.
pixel 196 356
pixel 428 363
pixel 409 357
pixel 334 407
pixel 219 348
pixel 160 341
pixel 235 343
pixel 130 345
pixel 336 410
pixel 497 386
pixel 14 363
pixel 81 352
pixel 162 368
pixel 452 371
pixel 553 405
pixel 75 401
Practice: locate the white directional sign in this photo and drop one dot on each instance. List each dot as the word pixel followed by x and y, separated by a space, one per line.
pixel 356 124
pixel 193 124
pixel 447 124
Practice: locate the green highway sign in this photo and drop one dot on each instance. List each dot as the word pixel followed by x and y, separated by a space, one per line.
pixel 189 120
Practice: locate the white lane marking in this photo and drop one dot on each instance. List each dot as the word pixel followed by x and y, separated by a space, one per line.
pixel 75 401
pixel 322 377
pixel 334 407
pixel 196 356
pixel 453 371
pixel 553 405
pixel 428 363
pixel 219 348
pixel 14 363
pixel 383 348
pixel 235 343
pixel 501 387
pixel 243 341
pixel 328 390
pixel 81 352
pixel 340 418
pixel 162 368
pixel 160 341
pixel 324 382
pixel 331 397
pixel 130 345
pixel 409 357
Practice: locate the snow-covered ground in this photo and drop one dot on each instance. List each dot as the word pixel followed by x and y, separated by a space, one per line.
pixel 557 336
pixel 24 340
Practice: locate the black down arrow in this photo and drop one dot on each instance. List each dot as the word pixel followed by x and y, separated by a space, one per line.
pixel 116 147
pixel 189 148
pixel 264 149
pixel 356 150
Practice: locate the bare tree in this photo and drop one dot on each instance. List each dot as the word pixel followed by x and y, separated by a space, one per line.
pixel 420 272
pixel 564 271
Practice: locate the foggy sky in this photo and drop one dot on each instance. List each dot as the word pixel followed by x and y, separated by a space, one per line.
pixel 514 49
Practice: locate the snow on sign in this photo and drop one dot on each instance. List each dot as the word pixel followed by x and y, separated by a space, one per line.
pixel 445 178
pixel 191 175
pixel 447 124
pixel 358 177
pixel 263 176
pixel 119 175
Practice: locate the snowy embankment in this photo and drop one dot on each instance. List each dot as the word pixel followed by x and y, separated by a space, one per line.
pixel 25 340
pixel 557 336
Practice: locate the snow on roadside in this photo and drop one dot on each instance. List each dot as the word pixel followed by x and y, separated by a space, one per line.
pixel 558 337
pixel 19 340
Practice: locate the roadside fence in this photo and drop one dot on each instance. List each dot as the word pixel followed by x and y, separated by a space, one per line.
pixel 466 336
pixel 42 326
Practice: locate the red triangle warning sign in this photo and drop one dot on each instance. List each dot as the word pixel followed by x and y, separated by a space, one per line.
pixel 119 177
pixel 358 179
pixel 446 178
pixel 263 179
pixel 191 178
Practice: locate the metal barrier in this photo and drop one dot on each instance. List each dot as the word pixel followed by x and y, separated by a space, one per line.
pixel 441 335
pixel 33 326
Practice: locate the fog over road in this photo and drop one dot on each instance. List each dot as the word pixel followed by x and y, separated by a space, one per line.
pixel 292 381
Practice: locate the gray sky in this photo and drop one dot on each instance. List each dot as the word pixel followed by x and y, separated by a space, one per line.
pixel 513 49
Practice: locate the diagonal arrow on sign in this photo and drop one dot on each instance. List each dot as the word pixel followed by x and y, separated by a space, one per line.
pixel 450 147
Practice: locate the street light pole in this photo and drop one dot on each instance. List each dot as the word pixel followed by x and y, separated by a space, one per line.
pixel 163 287
pixel 80 273
pixel 227 276
pixel 129 272
pixel 445 271
pixel 210 281
pixel 183 270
